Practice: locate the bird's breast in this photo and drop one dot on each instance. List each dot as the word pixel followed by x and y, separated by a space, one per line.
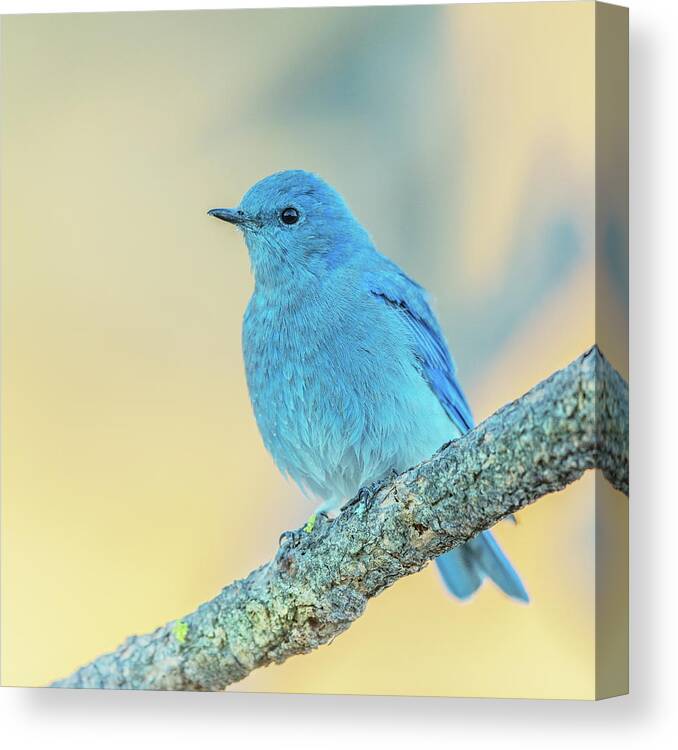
pixel 299 372
pixel 336 394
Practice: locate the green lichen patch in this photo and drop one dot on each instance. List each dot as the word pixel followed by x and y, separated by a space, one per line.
pixel 180 630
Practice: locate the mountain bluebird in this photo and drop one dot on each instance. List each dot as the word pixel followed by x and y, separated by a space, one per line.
pixel 348 371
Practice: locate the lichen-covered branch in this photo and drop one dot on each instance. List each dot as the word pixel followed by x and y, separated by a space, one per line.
pixel 319 582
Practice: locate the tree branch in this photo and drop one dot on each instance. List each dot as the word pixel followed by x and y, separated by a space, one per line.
pixel 319 583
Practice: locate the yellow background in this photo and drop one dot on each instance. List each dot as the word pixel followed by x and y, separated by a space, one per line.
pixel 135 484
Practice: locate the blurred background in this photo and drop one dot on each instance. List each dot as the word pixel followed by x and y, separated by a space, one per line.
pixel 135 484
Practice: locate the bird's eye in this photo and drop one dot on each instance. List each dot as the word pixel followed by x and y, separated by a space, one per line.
pixel 289 216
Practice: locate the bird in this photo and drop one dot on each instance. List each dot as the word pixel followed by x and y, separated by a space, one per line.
pixel 349 374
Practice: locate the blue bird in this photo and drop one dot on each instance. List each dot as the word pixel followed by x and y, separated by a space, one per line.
pixel 348 371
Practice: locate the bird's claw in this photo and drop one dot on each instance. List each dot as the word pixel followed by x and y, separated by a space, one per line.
pixel 295 536
pixel 290 537
pixel 365 494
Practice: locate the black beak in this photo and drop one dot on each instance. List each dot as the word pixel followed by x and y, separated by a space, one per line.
pixel 231 215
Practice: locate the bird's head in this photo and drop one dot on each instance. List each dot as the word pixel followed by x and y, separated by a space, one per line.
pixel 294 224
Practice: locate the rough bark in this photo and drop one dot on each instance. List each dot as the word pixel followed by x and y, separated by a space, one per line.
pixel 320 582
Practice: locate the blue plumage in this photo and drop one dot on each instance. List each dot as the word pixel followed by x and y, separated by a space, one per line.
pixel 430 349
pixel 348 371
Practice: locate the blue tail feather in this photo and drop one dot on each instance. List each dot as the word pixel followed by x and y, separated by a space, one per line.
pixel 464 568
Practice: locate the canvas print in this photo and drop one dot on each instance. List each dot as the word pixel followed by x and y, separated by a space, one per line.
pixel 315 350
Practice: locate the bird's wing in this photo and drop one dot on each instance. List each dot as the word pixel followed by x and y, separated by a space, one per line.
pixel 463 568
pixel 409 300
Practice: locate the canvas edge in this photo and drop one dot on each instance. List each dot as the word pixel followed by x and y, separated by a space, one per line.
pixel 611 326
